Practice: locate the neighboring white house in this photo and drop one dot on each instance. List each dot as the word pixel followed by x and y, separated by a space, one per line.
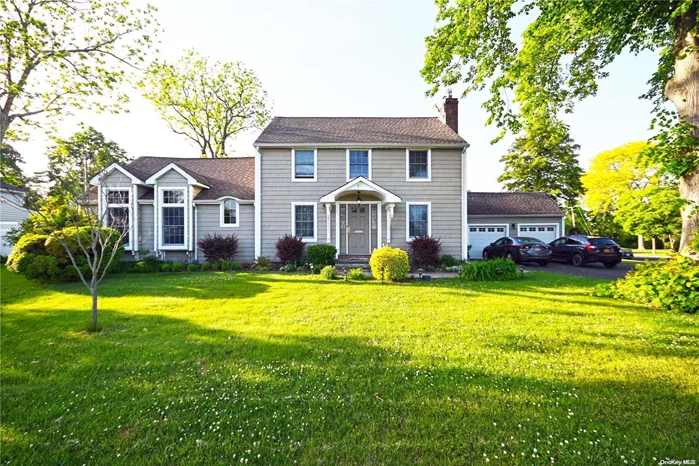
pixel 12 212
pixel 355 183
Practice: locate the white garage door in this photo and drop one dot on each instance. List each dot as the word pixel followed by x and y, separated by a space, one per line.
pixel 479 236
pixel 5 250
pixel 544 232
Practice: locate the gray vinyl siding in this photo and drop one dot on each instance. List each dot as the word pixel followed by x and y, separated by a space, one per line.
pixel 209 221
pixel 388 171
pixel 12 213
pixel 146 227
pixel 118 180
pixel 172 179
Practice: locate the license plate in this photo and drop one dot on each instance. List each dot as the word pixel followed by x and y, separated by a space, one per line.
pixel 537 249
pixel 607 250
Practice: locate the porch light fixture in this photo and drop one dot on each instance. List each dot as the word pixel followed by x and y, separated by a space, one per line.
pixel 359 198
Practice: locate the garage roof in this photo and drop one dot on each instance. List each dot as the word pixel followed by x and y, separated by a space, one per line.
pixel 512 204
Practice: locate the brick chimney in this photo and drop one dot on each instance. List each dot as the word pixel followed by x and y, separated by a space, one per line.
pixel 449 113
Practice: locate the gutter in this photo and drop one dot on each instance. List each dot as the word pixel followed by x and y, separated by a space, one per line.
pixel 265 145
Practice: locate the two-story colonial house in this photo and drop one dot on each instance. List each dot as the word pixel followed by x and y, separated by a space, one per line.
pixel 355 183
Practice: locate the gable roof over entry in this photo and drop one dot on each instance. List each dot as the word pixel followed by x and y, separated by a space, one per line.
pixel 358 131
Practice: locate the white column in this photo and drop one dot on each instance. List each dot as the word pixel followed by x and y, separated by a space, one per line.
pixel 258 203
pixel 328 211
pixel 389 220
pixel 133 220
pixel 380 233
pixel 337 228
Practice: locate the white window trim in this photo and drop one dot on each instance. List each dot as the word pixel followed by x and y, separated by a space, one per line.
pixel 407 218
pixel 293 167
pixel 556 227
pixel 347 162
pixel 315 220
pixel 407 166
pixel 490 225
pixel 222 223
pixel 172 247
pixel 108 205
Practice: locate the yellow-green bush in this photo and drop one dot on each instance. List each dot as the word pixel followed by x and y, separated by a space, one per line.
pixel 389 264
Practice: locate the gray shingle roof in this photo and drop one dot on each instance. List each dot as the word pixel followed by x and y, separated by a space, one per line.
pixel 357 130
pixel 9 187
pixel 512 204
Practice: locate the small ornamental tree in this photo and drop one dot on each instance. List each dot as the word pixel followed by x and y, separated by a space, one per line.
pixel 425 251
pixel 290 249
pixel 217 248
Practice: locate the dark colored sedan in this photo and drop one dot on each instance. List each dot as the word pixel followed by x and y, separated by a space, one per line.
pixel 519 249
pixel 581 250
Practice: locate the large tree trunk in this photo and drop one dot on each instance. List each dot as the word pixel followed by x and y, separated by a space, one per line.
pixel 683 91
pixel 641 245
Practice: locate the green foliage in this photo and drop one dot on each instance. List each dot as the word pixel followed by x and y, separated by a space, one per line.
pixel 672 285
pixel 205 267
pixel 447 260
pixel 42 268
pixel 54 214
pixel 71 53
pixel 357 274
pixel 10 172
pixel 177 267
pixel 192 267
pixel 208 102
pixel 545 160
pixel 290 267
pixel 215 267
pixel 235 266
pixel 321 255
pixel 166 268
pixel 149 264
pixel 652 211
pixel 73 162
pixel 263 263
pixel 389 264
pixel 491 270
pixel 329 272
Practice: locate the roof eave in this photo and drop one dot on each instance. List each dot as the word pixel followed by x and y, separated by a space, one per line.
pixel 517 215
pixel 263 145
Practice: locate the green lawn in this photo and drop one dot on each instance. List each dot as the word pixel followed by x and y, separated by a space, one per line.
pixel 658 252
pixel 276 369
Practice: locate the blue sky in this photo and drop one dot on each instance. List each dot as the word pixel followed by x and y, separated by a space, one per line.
pixel 347 58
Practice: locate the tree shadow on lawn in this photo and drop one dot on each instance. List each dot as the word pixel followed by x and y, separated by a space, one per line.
pixel 155 389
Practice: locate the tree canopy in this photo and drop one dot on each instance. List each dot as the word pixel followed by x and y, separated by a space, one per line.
pixel 652 211
pixel 10 170
pixel 207 102
pixel 73 162
pixel 67 53
pixel 563 54
pixel 545 160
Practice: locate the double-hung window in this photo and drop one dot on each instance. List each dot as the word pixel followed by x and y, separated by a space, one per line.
pixel 172 214
pixel 419 219
pixel 118 213
pixel 304 165
pixel 229 213
pixel 419 165
pixel 303 221
pixel 358 164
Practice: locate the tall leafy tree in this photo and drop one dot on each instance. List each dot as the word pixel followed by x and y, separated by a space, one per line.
pixel 544 159
pixel 10 170
pixel 73 162
pixel 207 102
pixel 57 54
pixel 563 54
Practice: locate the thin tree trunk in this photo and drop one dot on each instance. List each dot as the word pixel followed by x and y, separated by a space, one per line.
pixel 652 240
pixel 93 291
pixel 683 91
pixel 641 244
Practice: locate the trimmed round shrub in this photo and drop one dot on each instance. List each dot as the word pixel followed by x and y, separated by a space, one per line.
pixel 389 264
pixel 490 271
pixel 166 268
pixel 290 249
pixel 321 255
pixel 29 243
pixel 424 251
pixel 672 285
pixel 215 266
pixel 447 261
pixel 192 268
pixel 205 267
pixel 236 266
pixel 218 248
pixel 42 268
pixel 356 274
pixel 329 272
pixel 177 267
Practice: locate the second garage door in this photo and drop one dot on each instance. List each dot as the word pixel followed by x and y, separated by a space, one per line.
pixel 544 232
pixel 479 236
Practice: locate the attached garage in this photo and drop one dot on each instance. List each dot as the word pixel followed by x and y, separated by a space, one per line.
pixel 494 215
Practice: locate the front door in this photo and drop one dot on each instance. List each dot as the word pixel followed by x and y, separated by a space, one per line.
pixel 358 229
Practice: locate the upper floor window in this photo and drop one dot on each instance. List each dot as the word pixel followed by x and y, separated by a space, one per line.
pixel 304 165
pixel 172 214
pixel 229 213
pixel 118 213
pixel 358 164
pixel 419 166
pixel 418 220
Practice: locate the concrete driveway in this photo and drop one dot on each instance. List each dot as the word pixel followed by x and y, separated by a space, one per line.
pixel 595 270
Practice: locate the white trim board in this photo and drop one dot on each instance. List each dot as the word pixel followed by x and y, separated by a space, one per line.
pixel 171 166
pixel 361 184
pixel 115 166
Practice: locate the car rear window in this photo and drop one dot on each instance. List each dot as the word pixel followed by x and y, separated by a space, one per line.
pixel 525 240
pixel 601 242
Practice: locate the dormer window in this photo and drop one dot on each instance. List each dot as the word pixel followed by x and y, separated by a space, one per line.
pixel 303 164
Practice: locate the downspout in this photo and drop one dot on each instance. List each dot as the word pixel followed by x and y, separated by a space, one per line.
pixel 156 230
pixel 134 232
pixel 196 249
pixel 464 208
